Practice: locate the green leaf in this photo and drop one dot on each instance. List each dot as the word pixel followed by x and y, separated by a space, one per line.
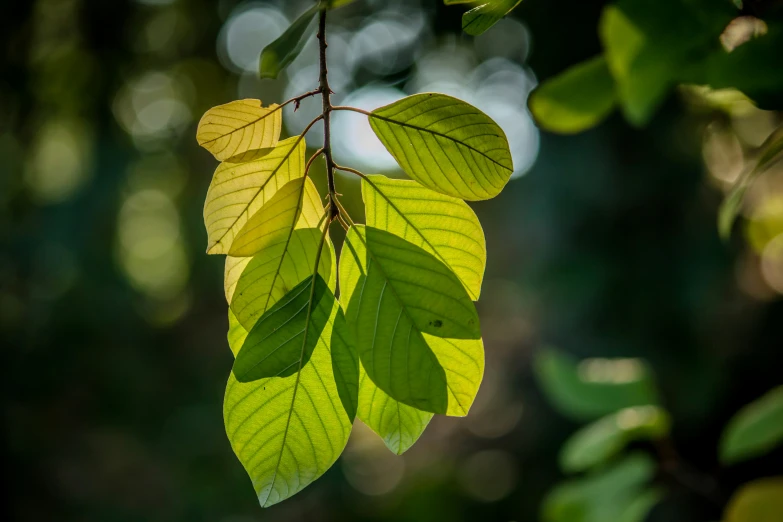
pixel 770 152
pixel 445 144
pixel 274 221
pixel 575 100
pixel 650 46
pixel 334 4
pixel 594 387
pixel 279 54
pixel 755 429
pixel 310 217
pixel 236 333
pixel 416 328
pixel 444 226
pixel 233 129
pixel 481 18
pixel 288 430
pixel 398 424
pixel 616 492
pixel 239 190
pixel 603 439
pixel 284 337
pixel 757 501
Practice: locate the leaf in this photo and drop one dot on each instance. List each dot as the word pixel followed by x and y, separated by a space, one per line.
pixel 334 4
pixel 575 100
pixel 232 129
pixel 444 226
pixel 273 221
pixel 312 211
pixel 279 54
pixel 757 501
pixel 755 429
pixel 398 424
pixel 236 333
pixel 481 18
pixel 416 328
pixel 616 492
pixel 287 431
pixel 594 387
pixel 285 336
pixel 445 144
pixel 239 190
pixel 770 152
pixel 603 439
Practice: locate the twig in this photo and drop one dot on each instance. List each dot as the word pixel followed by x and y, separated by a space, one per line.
pixel 327 108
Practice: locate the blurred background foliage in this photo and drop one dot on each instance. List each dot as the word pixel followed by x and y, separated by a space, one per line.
pixel 605 244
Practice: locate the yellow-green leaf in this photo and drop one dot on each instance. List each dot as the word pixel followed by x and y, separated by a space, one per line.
pixel 576 99
pixel 312 211
pixel 603 439
pixel 416 328
pixel 240 126
pixel 274 221
pixel 757 501
pixel 288 430
pixel 755 429
pixel 445 144
pixel 239 190
pixel 444 226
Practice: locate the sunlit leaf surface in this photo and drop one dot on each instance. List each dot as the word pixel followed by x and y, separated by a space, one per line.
pixel 755 429
pixel 235 128
pixel 445 144
pixel 575 100
pixel 239 190
pixel 594 387
pixel 417 330
pixel 603 439
pixel 288 430
pixel 442 225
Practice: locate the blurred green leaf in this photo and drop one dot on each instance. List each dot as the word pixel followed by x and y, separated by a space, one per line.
pixel 446 145
pixel 770 152
pixel 576 99
pixel 417 330
pixel 603 439
pixel 279 54
pixel 594 387
pixel 757 501
pixel 288 430
pixel 614 493
pixel 444 226
pixel 755 429
pixel 649 46
pixel 334 4
pixel 481 18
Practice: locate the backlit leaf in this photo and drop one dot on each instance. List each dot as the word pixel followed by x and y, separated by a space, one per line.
pixel 273 221
pixel 288 430
pixel 416 328
pixel 444 226
pixel 603 439
pixel 445 144
pixel 239 126
pixel 398 424
pixel 312 211
pixel 594 387
pixel 279 54
pixel 239 190
pixel 481 18
pixel 757 501
pixel 755 429
pixel 576 99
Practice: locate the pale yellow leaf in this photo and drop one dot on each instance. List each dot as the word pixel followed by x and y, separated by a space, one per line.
pixel 238 127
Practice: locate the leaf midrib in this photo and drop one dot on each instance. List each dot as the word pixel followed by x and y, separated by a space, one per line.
pixel 279 107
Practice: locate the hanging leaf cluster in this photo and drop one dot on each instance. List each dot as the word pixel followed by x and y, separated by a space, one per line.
pixel 401 341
